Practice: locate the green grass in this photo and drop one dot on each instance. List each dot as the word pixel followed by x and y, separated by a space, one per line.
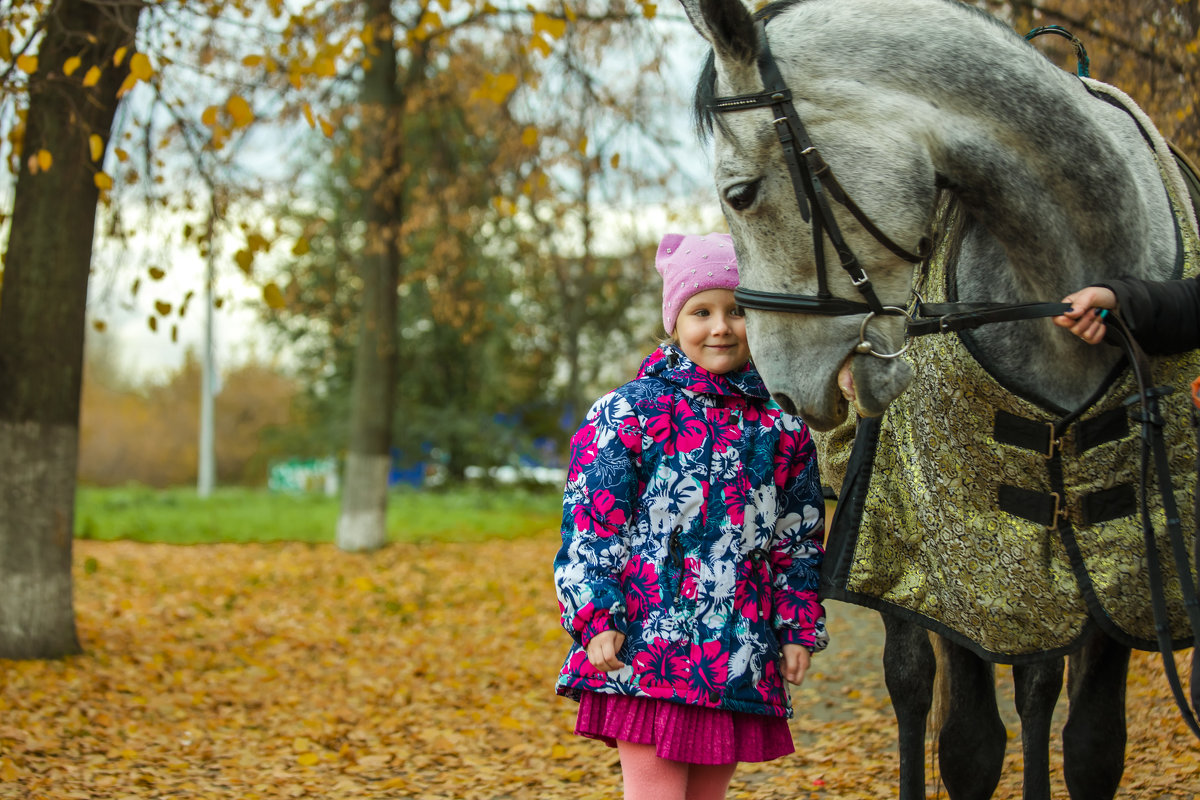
pixel 178 516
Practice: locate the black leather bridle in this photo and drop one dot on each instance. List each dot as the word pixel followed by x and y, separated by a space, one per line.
pixel 814 184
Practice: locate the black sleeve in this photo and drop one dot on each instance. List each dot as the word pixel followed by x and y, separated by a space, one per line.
pixel 1164 316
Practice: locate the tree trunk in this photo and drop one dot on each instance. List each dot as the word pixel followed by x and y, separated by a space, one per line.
pixel 42 325
pixel 363 521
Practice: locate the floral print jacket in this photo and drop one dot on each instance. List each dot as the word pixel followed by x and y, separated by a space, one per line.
pixel 693 522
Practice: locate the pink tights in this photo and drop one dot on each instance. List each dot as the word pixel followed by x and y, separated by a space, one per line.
pixel 648 777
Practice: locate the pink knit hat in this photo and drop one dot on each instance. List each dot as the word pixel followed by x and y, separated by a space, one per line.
pixel 690 265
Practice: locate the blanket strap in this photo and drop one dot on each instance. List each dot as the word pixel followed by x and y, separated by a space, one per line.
pixel 1046 508
pixel 1046 437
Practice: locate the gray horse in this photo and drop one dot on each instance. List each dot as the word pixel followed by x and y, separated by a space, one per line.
pixel 957 146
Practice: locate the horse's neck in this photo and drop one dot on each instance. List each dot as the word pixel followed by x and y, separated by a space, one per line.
pixel 1061 191
pixel 1048 218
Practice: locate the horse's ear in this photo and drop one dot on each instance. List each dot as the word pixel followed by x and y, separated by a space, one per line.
pixel 727 25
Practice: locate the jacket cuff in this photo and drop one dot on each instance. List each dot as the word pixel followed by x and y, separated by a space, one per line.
pixel 806 637
pixel 600 622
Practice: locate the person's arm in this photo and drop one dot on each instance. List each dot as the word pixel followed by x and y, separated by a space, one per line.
pixel 598 507
pixel 1163 316
pixel 797 550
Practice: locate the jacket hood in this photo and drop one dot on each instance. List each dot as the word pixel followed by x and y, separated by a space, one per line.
pixel 669 363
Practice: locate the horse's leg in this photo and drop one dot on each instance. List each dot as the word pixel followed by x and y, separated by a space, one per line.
pixel 1094 736
pixel 1037 688
pixel 972 740
pixel 908 669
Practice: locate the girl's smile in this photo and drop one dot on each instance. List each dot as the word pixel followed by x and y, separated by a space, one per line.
pixel 711 331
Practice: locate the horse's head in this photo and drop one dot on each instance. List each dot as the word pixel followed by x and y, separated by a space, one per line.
pixel 850 106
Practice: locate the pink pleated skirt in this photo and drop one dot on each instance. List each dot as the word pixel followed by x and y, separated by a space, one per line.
pixel 691 734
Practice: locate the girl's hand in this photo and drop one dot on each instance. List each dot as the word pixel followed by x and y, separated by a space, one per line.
pixel 1086 317
pixel 795 662
pixel 602 651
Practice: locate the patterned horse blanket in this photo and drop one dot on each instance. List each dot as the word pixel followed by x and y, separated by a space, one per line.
pixel 955 514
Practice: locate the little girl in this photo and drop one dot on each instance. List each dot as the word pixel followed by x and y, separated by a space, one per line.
pixel 693 524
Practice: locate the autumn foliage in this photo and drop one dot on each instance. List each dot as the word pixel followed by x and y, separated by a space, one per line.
pixel 150 434
pixel 299 671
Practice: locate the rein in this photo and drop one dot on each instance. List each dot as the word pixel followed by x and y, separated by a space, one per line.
pixel 813 183
pixel 1154 447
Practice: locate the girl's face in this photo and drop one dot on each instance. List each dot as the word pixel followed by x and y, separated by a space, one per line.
pixel 711 331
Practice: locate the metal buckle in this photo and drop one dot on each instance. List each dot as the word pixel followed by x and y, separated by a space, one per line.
pixel 1059 511
pixel 1049 454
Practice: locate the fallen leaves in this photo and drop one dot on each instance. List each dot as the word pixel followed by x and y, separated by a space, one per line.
pixel 421 671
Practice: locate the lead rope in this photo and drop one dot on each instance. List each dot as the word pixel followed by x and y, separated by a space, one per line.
pixel 1153 446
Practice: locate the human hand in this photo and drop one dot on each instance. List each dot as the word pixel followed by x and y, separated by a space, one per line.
pixel 1086 317
pixel 795 662
pixel 602 651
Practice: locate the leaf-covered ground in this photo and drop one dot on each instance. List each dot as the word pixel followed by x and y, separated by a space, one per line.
pixel 422 671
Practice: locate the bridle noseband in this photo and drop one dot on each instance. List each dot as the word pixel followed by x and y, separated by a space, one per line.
pixel 813 183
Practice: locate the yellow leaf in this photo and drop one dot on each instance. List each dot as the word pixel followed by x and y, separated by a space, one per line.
pixel 44 160
pixel 140 67
pixel 544 23
pixel 650 10
pixel 96 143
pixel 252 61
pixel 162 307
pixel 240 111
pixel 256 242
pixel 583 143
pixel 153 323
pixel 273 296
pixel 209 116
pixel 529 136
pixel 126 85
pixel 100 325
pixel 326 126
pixel 540 44
pixel 496 88
pixel 244 259
pixel 71 64
pixel 157 274
pixel 324 68
pixel 119 56
pixel 308 759
pixel 615 161
pixel 300 247
pixel 92 76
pixel 121 154
pixel 27 63
pixel 308 115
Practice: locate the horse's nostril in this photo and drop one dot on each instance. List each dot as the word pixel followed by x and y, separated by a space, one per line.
pixel 785 403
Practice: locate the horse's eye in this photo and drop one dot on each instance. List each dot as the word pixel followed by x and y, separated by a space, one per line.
pixel 742 196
